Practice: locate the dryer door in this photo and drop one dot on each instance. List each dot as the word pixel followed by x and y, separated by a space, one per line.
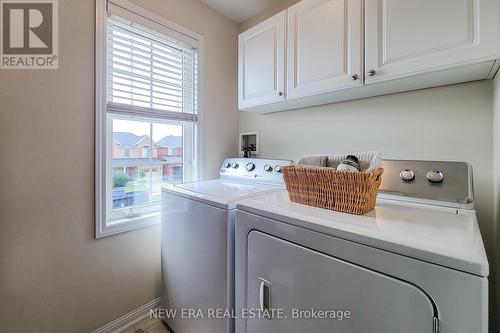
pixel 283 275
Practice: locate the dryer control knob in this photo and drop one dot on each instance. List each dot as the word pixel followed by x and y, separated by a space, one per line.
pixel 235 165
pixel 227 165
pixel 268 168
pixel 407 175
pixel 278 169
pixel 435 176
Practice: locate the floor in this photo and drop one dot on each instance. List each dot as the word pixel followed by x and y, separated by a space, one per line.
pixel 148 325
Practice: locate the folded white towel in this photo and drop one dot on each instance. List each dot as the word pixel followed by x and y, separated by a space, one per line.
pixel 313 160
pixel 369 161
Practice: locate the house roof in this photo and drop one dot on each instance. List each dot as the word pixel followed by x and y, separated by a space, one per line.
pixel 170 141
pixel 127 139
pixel 136 161
pixel 130 139
pixel 173 159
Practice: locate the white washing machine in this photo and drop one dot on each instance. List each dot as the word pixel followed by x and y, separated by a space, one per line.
pixel 198 243
pixel 414 264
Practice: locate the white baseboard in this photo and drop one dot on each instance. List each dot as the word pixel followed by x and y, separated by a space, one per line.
pixel 130 318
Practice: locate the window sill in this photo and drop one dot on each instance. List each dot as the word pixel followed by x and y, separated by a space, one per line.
pixel 128 224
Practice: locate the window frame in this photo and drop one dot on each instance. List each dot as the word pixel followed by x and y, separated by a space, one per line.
pixel 160 24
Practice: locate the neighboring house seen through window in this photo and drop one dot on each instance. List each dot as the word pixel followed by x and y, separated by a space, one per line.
pixel 147 127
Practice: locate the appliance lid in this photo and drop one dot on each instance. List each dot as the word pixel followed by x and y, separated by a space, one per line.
pixel 441 235
pixel 219 192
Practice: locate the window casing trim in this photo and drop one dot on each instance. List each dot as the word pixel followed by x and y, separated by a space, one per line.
pixel 155 22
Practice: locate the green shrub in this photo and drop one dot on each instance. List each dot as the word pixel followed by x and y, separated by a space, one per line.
pixel 120 179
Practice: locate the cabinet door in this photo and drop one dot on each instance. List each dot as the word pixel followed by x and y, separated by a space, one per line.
pixel 324 49
pixel 283 275
pixel 407 37
pixel 261 63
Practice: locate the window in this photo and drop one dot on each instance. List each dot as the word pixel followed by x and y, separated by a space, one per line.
pixel 174 151
pixel 145 152
pixel 146 104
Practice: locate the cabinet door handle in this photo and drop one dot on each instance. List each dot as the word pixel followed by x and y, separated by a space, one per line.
pixel 354 76
pixel 280 93
pixel 372 72
pixel 265 298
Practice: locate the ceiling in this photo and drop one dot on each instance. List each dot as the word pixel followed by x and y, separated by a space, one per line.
pixel 239 10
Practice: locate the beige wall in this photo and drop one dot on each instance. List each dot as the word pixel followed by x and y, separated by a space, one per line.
pixel 54 276
pixel 275 7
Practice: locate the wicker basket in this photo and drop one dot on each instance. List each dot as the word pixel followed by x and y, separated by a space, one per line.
pixel 344 191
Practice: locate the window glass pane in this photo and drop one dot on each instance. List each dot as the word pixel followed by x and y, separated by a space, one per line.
pixel 170 151
pixel 146 154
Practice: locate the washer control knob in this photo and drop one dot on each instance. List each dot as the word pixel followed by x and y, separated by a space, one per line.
pixel 277 168
pixel 435 176
pixel 235 165
pixel 407 175
pixel 268 168
pixel 227 165
pixel 250 166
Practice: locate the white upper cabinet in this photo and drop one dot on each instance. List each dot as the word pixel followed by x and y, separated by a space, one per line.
pixel 261 65
pixel 339 50
pixel 324 46
pixel 408 37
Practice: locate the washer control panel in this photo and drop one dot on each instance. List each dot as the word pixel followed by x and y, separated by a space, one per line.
pixel 449 183
pixel 255 169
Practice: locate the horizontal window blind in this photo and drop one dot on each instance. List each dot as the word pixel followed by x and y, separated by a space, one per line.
pixel 149 73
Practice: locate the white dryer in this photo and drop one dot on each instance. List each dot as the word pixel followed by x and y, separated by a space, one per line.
pixel 197 255
pixel 414 264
